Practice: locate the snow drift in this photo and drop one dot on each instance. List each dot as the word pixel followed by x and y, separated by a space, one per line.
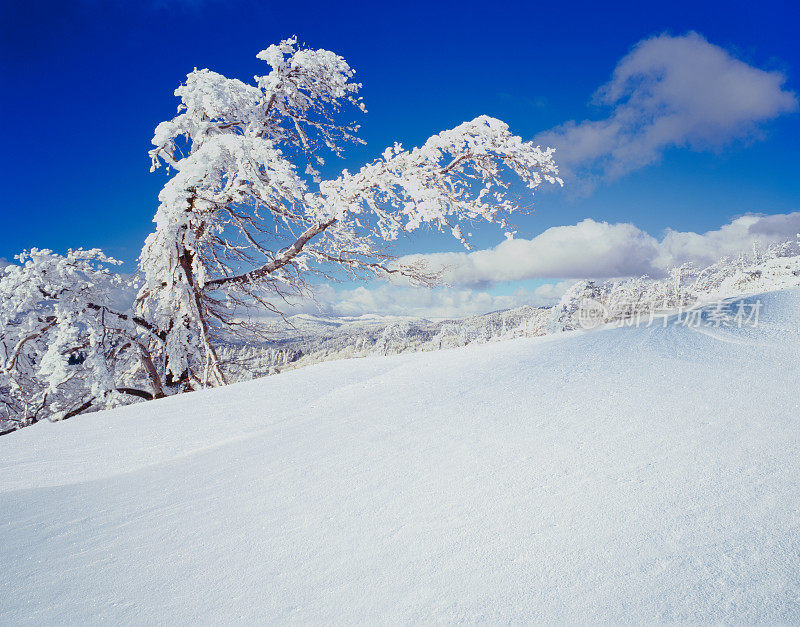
pixel 634 474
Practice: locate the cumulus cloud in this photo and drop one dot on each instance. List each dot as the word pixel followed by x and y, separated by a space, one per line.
pixel 739 235
pixel 592 249
pixel 599 248
pixel 669 91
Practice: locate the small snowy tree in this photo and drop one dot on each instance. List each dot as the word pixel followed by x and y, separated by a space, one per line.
pixel 245 218
pixel 64 346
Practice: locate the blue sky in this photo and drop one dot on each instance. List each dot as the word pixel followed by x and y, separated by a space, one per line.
pixel 85 83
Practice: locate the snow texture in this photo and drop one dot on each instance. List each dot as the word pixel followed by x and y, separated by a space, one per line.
pixel 630 474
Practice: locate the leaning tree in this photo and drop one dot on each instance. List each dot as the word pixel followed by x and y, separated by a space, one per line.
pixel 246 220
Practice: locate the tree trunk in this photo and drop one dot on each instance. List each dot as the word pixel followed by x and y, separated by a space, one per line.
pixel 152 373
pixel 212 361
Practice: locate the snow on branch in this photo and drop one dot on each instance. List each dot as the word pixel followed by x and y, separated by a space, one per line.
pixel 457 175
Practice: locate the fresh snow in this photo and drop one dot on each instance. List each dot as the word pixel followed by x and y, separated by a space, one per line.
pixel 633 474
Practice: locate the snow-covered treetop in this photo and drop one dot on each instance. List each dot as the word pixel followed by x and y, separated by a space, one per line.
pixel 76 278
pixel 292 105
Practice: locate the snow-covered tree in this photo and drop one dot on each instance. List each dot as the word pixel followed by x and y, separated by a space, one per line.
pixel 246 219
pixel 64 346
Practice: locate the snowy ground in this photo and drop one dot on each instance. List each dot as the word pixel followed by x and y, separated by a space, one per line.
pixel 646 474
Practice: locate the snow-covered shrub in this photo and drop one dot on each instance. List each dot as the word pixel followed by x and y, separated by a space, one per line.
pixel 308 343
pixel 65 348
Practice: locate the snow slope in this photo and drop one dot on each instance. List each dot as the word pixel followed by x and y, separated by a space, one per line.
pixel 646 474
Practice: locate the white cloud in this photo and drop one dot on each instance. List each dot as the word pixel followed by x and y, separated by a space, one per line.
pixel 599 248
pixel 592 249
pixel 730 239
pixel 669 91
pixel 553 291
